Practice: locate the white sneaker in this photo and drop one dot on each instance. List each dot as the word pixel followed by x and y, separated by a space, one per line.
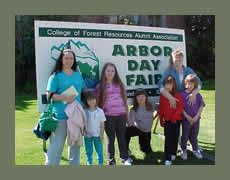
pixel 168 163
pixel 173 157
pixel 130 159
pixel 197 154
pixel 128 162
pixel 184 155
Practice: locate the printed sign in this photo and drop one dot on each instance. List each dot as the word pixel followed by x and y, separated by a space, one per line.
pixel 140 53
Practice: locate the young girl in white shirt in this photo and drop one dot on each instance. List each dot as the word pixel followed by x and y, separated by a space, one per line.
pixel 94 130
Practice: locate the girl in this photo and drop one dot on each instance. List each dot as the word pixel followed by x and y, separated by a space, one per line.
pixel 94 131
pixel 112 99
pixel 63 76
pixel 191 118
pixel 141 119
pixel 170 119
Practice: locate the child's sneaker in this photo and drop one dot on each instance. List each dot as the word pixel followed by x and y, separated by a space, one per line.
pixel 197 154
pixel 168 163
pixel 184 155
pixel 112 162
pixel 173 157
pixel 128 162
pixel 130 159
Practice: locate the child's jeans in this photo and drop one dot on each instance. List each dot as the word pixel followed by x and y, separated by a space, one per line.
pixel 189 132
pixel 115 126
pixel 89 142
pixel 171 132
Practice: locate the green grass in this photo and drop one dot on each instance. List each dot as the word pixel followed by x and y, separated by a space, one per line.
pixel 28 148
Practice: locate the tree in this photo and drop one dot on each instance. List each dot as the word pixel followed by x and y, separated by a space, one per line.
pixel 200 44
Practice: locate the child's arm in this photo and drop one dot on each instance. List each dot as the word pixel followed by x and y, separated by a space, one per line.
pixel 179 109
pixel 101 131
pixel 197 116
pixel 155 114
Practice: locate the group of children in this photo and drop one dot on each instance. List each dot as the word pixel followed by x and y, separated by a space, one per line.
pixel 107 109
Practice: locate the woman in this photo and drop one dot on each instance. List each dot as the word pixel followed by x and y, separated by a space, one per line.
pixel 63 76
pixel 179 72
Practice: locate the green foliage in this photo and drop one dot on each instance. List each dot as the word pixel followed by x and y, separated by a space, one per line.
pixel 125 20
pixel 25 49
pixel 29 87
pixel 200 44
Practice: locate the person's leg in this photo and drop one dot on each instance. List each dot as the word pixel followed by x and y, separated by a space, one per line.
pixel 145 141
pixel 120 133
pixel 193 136
pixel 176 133
pixel 110 126
pixel 168 140
pixel 57 141
pixel 89 150
pixel 99 150
pixel 74 154
pixel 186 127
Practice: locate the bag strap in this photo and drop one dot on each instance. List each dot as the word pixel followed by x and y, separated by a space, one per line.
pixel 49 105
pixel 50 97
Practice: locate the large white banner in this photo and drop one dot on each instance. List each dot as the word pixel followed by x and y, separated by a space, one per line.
pixel 140 53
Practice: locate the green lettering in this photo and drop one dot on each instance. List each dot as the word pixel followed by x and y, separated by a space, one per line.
pixel 167 51
pixel 156 50
pixel 145 65
pixel 129 79
pixel 156 64
pixel 131 50
pixel 141 80
pixel 132 65
pixel 157 78
pixel 117 50
pixel 150 77
pixel 143 51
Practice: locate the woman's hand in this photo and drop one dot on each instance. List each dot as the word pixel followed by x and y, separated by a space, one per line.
pixel 172 102
pixel 69 99
pixel 191 99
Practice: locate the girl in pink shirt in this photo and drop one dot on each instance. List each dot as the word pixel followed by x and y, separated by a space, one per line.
pixel 113 100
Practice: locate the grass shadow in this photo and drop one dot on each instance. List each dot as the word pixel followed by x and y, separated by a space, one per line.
pixel 208 85
pixel 193 161
pixel 23 100
pixel 152 158
pixel 64 159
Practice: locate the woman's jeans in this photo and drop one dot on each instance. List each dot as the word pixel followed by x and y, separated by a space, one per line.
pixel 56 146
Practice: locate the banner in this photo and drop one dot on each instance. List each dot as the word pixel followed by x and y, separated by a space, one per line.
pixel 140 53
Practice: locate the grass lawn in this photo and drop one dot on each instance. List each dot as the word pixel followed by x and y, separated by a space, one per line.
pixel 28 148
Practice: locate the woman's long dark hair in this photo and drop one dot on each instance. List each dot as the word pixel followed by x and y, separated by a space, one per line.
pixel 138 92
pixel 59 64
